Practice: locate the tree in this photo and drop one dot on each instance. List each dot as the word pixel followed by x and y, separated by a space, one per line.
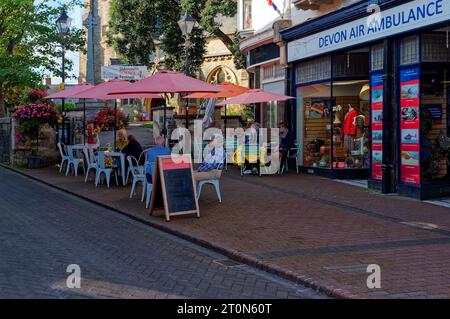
pixel 135 25
pixel 29 42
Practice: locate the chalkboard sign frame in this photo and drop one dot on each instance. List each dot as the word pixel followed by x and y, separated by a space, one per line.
pixel 160 187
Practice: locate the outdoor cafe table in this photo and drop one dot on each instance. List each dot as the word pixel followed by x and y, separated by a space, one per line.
pixel 72 148
pixel 121 156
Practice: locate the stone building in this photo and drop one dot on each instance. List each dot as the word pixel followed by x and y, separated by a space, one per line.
pixel 217 67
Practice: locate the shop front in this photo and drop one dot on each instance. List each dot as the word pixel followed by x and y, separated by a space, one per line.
pixel 263 64
pixel 372 95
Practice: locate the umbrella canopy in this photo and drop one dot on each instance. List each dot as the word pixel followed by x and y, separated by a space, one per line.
pixel 168 82
pixel 231 90
pixel 100 92
pixel 67 93
pixel 255 96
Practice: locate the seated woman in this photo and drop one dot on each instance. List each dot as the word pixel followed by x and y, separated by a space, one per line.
pixel 133 148
pixel 122 140
pixel 92 140
pixel 158 150
pixel 212 165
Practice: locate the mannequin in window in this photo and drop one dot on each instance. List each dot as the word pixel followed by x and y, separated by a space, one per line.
pixel 349 128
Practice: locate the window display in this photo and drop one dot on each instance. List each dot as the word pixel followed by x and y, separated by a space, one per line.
pixel 316 103
pixel 351 147
pixel 434 144
pixel 435 93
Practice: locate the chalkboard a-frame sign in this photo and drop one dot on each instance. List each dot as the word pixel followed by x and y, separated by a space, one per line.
pixel 174 187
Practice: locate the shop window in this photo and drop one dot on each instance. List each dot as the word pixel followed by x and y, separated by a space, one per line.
pixel 435 47
pixel 351 119
pixel 435 140
pixel 314 71
pixel 278 71
pixel 377 57
pixel 274 111
pixel 264 53
pixel 409 50
pixel 268 72
pixel 315 103
pixel 274 71
pixel 351 65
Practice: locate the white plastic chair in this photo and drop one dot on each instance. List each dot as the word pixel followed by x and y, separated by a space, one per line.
pixel 102 169
pixel 138 175
pixel 64 156
pixel 140 167
pixel 214 182
pixel 293 153
pixel 149 186
pixel 75 163
pixel 90 161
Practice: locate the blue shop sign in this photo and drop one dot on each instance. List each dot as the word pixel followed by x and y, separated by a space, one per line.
pixel 410 16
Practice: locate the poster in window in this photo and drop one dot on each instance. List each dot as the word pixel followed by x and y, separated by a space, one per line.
pixel 410 125
pixel 377 124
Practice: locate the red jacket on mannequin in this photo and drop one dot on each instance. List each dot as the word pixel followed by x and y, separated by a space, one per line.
pixel 349 122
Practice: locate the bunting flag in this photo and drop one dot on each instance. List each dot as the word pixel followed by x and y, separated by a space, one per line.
pixel 274 6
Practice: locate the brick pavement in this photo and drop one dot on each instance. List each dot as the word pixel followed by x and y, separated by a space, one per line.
pixel 311 229
pixel 43 230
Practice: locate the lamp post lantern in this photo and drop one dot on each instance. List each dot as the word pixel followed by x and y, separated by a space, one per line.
pixel 63 25
pixel 187 24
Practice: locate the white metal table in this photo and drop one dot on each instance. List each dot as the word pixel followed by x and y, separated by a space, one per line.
pixel 121 156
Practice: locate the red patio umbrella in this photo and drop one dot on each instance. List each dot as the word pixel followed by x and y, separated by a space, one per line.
pixel 255 96
pixel 168 82
pixel 67 93
pixel 231 90
pixel 100 92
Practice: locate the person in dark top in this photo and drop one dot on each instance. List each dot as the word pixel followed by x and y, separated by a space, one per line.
pixel 134 149
pixel 286 143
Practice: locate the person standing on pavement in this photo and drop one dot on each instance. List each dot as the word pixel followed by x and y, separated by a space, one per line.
pixel 158 150
pixel 286 143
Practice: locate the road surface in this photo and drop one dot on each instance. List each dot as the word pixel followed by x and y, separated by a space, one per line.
pixel 43 231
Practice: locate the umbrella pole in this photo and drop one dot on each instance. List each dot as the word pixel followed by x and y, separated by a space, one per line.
pixel 63 111
pixel 187 113
pixel 115 122
pixel 164 132
pixel 84 121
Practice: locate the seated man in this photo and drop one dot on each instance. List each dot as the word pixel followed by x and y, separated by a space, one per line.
pixel 212 165
pixel 158 150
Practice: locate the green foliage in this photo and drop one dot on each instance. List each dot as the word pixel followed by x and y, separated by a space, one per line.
pixel 131 30
pixel 136 24
pixel 30 44
pixel 67 106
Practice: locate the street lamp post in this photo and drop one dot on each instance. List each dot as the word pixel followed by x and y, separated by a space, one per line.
pixel 187 24
pixel 63 25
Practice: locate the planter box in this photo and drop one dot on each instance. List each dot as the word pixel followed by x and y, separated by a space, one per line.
pixel 35 162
